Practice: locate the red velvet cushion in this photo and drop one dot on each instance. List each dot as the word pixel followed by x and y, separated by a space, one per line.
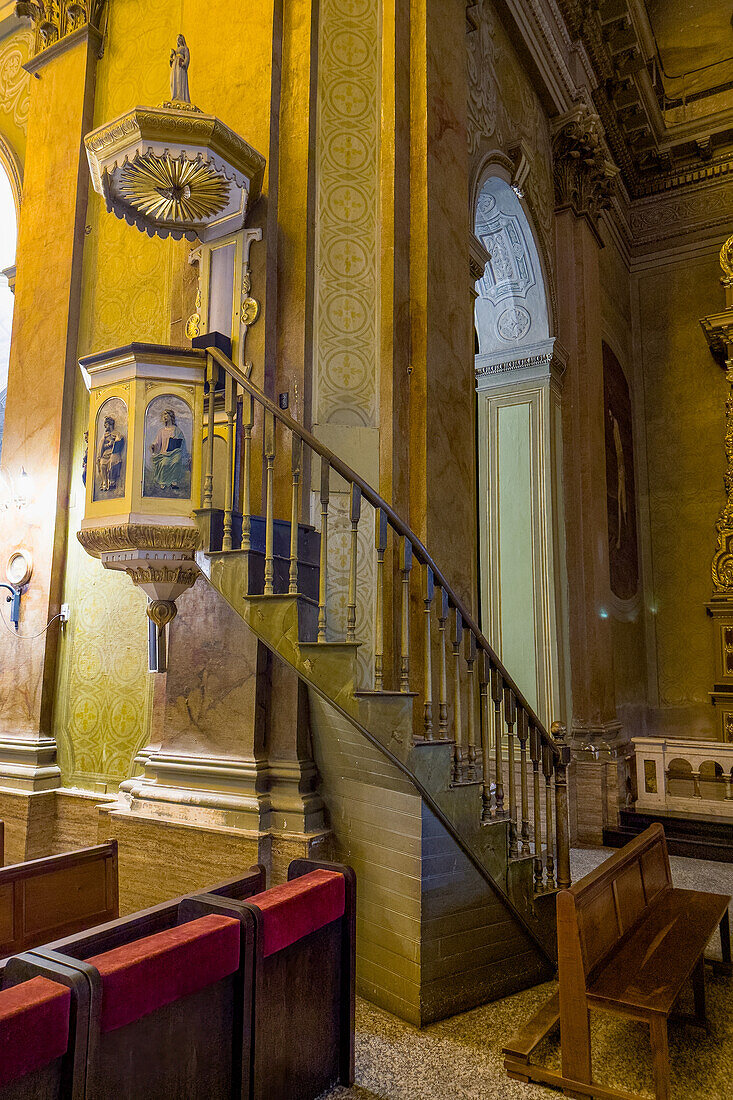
pixel 296 908
pixel 156 970
pixel 34 1026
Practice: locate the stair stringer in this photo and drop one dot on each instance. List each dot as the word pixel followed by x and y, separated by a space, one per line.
pixel 385 720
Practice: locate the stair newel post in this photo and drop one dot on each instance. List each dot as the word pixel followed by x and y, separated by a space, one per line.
pixel 510 717
pixel 561 806
pixel 212 375
pixel 522 734
pixel 443 701
pixel 354 515
pixel 428 602
pixel 471 702
pixel 405 569
pixel 484 675
pixel 458 749
pixel 380 541
pixel 497 690
pixel 323 571
pixel 296 467
pixel 547 768
pixel 269 503
pixel 248 418
pixel 230 409
pixel 535 752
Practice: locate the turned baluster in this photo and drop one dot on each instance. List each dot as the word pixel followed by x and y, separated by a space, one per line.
pixel 510 716
pixel 471 702
pixel 296 465
pixel 428 602
pixel 230 409
pixel 380 541
pixel 355 516
pixel 248 416
pixel 458 748
pixel 535 752
pixel 547 768
pixel 405 568
pixel 212 375
pixel 269 503
pixel 497 690
pixel 322 579
pixel 561 806
pixel 443 702
pixel 484 675
pixel 523 734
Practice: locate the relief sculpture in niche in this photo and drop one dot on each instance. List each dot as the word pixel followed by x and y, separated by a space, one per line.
pixel 620 486
pixel 111 440
pixel 168 430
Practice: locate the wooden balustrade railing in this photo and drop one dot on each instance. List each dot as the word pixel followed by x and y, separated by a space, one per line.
pixel 508 751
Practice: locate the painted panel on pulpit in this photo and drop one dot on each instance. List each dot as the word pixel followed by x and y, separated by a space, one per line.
pixel 623 551
pixel 168 433
pixel 110 450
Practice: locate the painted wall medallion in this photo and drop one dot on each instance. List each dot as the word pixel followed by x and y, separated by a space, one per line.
pixel 168 433
pixel 110 450
pixel 623 551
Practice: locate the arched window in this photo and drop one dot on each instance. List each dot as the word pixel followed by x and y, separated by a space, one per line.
pixel 8 234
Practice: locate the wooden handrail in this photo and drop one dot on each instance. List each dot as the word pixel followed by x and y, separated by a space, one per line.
pixel 420 552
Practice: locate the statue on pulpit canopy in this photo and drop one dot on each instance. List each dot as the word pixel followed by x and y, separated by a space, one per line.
pixel 180 60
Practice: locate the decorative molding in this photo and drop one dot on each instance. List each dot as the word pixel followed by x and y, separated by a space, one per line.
pixel 585 177
pixel 54 20
pixel 130 536
pixel 14 80
pixel 540 360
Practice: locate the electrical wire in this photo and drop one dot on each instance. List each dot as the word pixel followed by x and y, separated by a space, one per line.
pixel 26 637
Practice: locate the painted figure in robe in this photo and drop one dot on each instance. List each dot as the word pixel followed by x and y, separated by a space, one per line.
pixel 109 459
pixel 170 457
pixel 180 60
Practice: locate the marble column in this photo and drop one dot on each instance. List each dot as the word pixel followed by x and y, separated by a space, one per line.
pixel 584 179
pixel 37 435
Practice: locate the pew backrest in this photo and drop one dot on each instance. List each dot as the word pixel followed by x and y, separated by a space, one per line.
pixel 601 910
pixel 56 896
pixel 134 926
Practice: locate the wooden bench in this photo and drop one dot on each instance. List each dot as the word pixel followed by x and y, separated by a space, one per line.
pixel 628 942
pixel 55 896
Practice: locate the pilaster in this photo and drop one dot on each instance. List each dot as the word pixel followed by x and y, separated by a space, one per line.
pixel 42 371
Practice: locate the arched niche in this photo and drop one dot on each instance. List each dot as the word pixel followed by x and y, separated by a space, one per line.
pixel 518 378
pixel 511 306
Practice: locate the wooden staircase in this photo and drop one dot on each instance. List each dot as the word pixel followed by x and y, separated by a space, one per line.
pixel 438 706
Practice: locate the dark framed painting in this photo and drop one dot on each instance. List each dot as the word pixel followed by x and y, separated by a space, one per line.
pixel 623 553
pixel 110 450
pixel 168 437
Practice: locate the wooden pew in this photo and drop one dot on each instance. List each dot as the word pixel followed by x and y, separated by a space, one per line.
pixel 628 942
pixel 46 898
pixel 189 1040
pixel 303 984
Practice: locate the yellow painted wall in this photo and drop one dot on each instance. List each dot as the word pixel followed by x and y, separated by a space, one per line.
pixel 130 283
pixel 684 391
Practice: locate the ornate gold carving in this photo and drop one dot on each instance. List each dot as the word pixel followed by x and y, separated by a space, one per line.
pixel 193 326
pixel 250 311
pixel 161 612
pixel 174 189
pixel 150 575
pixel 54 19
pixel 179 105
pixel 132 536
pixel 726 262
pixel 585 177
pixel 722 568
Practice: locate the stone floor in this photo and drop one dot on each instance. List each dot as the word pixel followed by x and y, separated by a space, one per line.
pixel 460 1058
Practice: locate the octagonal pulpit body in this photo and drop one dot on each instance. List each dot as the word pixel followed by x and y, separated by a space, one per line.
pixel 143 469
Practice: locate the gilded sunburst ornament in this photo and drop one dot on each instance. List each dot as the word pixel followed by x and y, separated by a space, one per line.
pixel 173 189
